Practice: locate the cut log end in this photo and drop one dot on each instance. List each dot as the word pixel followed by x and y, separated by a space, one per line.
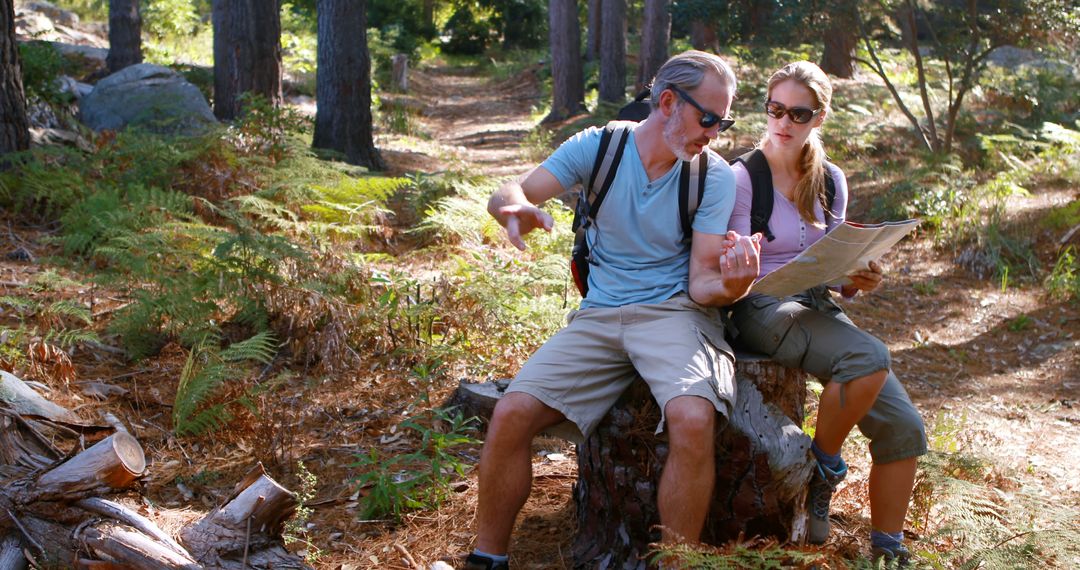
pixel 131 456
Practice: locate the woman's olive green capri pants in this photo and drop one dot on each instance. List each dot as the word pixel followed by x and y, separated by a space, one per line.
pixel 810 332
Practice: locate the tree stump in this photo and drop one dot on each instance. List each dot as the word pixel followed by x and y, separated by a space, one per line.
pixel 762 467
pixel 400 72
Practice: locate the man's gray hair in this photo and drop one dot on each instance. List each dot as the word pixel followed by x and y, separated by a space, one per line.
pixel 686 71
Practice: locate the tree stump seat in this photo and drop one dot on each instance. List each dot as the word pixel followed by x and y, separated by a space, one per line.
pixel 762 466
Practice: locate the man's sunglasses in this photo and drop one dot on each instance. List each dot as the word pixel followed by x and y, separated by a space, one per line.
pixel 708 118
pixel 799 115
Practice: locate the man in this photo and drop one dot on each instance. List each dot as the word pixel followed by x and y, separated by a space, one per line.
pixel 648 308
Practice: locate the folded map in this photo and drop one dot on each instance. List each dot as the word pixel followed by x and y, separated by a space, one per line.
pixel 846 249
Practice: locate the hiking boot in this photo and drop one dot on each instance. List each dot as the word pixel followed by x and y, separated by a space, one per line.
pixel 476 562
pixel 898 557
pixel 822 484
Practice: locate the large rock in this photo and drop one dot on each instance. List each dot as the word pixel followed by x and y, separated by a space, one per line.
pixel 149 96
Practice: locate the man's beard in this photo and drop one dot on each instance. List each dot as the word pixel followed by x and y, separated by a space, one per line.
pixel 676 139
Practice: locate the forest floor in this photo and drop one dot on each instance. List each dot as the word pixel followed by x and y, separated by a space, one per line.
pixel 996 368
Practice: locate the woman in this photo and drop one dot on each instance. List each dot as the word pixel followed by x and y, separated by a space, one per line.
pixel 809 330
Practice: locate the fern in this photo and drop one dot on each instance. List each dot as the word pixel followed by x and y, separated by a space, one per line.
pixel 986 527
pixel 67 338
pixel 18 303
pixel 205 371
pixel 68 308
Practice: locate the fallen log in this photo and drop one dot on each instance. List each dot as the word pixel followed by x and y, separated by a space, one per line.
pixel 245 532
pixel 54 516
pixel 762 467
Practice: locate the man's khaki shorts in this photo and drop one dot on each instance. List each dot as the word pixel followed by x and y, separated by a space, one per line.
pixel 676 346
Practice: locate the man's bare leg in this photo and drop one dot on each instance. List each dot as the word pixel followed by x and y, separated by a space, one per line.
pixel 687 482
pixel 506 466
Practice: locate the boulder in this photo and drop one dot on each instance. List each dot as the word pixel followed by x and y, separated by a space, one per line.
pixel 55 14
pixel 149 96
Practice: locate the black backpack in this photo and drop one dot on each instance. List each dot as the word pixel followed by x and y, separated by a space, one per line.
pixel 608 156
pixel 761 203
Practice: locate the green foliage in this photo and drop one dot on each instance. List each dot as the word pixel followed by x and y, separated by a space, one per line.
pixel 350 209
pixel 296 527
pixel 299 48
pixel 400 119
pixel 168 18
pixel 64 323
pixel 468 29
pixel 109 217
pixel 422 479
pixel 42 64
pixel 536 146
pixel 1064 279
pixel 86 10
pixel 753 554
pixel 207 368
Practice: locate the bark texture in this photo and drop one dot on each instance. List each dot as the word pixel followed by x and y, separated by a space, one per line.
pixel 703 36
pixel 343 88
pixel 567 75
pixel 613 52
pixel 592 36
pixel 247 53
pixel 762 467
pixel 125 35
pixel 655 37
pixel 841 37
pixel 14 126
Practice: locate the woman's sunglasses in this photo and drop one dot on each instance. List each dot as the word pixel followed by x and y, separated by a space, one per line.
pixel 799 115
pixel 708 118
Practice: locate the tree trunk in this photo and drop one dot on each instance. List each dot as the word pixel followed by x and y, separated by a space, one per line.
pixel 343 88
pixel 592 38
pixel 703 36
pixel 762 469
pixel 840 40
pixel 14 127
pixel 125 35
pixel 247 53
pixel 428 15
pixel 655 37
pixel 758 20
pixel 613 52
pixel 567 76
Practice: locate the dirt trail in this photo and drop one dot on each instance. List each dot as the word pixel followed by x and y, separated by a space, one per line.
pixel 472 121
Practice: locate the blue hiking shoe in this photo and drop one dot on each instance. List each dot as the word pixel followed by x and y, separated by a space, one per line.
pixel 898 557
pixel 822 484
pixel 477 562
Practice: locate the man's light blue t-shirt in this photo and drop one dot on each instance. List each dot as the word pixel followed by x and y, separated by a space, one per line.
pixel 637 239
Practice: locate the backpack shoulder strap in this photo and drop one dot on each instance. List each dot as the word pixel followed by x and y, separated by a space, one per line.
pixel 692 178
pixel 608 154
pixel 761 202
pixel 830 192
